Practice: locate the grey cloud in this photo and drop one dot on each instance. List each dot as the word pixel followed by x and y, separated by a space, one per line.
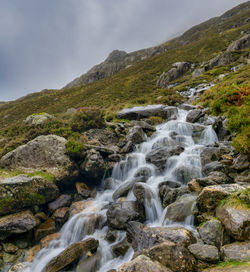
pixel 47 43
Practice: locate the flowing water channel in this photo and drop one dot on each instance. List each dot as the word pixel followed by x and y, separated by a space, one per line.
pixel 80 226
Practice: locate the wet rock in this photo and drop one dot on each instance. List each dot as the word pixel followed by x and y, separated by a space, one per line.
pixel 241 162
pixel 187 107
pixel 22 191
pixel 44 229
pixel 47 239
pixel 120 248
pixel 83 190
pixel 136 135
pixel 214 178
pixel 214 166
pixel 143 237
pixel 110 183
pixel 129 147
pixel 38 119
pixel 238 251
pixel 211 196
pixel 194 115
pixel 210 154
pixel 93 167
pixel 211 232
pixel 179 68
pixel 119 214
pixel 16 223
pixel 205 253
pixel 143 172
pixel 194 186
pixel 173 256
pixel 159 156
pixel 18 267
pixel 32 252
pixel 89 263
pixel 137 113
pixel 79 206
pixel 142 192
pixel 147 128
pixel 61 215
pixel 44 153
pixel 71 254
pixel 111 235
pixel 235 221
pixel 142 264
pixel 239 44
pixel 170 195
pixel 184 174
pixel 61 201
pixel 166 142
pixel 181 208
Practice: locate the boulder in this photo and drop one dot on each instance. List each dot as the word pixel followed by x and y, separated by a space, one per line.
pixel 89 263
pixel 229 268
pixel 214 166
pixel 44 153
pixel 210 196
pixel 136 135
pixel 206 253
pixel 173 256
pixel 210 154
pixel 79 206
pixel 147 128
pixel 159 156
pixel 144 173
pixel 214 178
pixel 179 68
pixel 71 254
pixel 137 113
pixel 238 251
pixel 184 173
pixel 21 191
pixel 197 72
pixel 211 232
pixel 120 248
pixel 239 44
pixel 143 237
pixel 222 59
pixel 47 239
pixel 93 167
pixel 119 214
pixel 142 264
pixel 16 223
pixel 142 192
pixel 61 201
pixel 44 229
pixel 181 208
pixel 241 162
pixel 235 221
pixel 194 115
pixel 61 215
pixel 19 267
pixel 38 119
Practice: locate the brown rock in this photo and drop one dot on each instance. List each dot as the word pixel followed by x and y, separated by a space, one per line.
pixel 194 186
pixel 47 239
pixel 82 189
pixel 46 228
pixel 61 201
pixel 32 253
pixel 61 215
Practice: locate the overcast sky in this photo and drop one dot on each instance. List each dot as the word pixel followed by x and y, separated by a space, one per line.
pixel 47 43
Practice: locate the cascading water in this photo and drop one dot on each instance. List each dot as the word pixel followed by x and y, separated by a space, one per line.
pixel 91 221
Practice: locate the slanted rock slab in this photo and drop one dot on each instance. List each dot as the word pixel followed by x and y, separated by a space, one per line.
pixel 206 253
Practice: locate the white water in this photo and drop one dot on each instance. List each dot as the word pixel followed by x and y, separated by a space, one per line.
pixel 80 226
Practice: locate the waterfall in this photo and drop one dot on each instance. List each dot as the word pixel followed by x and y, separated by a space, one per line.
pixel 178 168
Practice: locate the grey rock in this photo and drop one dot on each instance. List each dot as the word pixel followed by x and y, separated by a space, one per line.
pixel 223 59
pixel 197 72
pixel 212 167
pixel 214 178
pixel 119 214
pixel 239 44
pixel 136 135
pixel 194 115
pixel 38 119
pixel 61 201
pixel 238 251
pixel 241 162
pixel 170 195
pixel 184 174
pixel 143 193
pixel 120 248
pixel 205 253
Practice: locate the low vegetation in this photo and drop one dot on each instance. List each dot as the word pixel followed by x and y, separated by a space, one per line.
pixel 239 200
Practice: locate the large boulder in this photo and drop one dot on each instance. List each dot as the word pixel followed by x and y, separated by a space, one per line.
pixel 21 191
pixel 181 208
pixel 210 196
pixel 179 68
pixel 238 251
pixel 143 237
pixel 71 254
pixel 235 221
pixel 223 59
pixel 206 253
pixel 142 264
pixel 241 162
pixel 211 232
pixel 16 223
pixel 119 214
pixel 159 156
pixel 136 135
pixel 61 201
pixel 44 153
pixel 137 113
pixel 239 44
pixel 194 115
pixel 38 119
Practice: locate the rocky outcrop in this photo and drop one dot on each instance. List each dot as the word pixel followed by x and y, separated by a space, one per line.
pixel 119 214
pixel 22 191
pixel 239 44
pixel 137 113
pixel 179 68
pixel 235 221
pixel 38 119
pixel 223 59
pixel 142 264
pixel 44 153
pixel 16 223
pixel 71 254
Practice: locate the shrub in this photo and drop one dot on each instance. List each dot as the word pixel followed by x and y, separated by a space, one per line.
pixel 75 150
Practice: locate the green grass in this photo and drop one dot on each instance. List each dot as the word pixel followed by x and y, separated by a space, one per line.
pixel 239 200
pixel 233 263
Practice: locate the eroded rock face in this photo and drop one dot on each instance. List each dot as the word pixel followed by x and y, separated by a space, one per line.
pixel 142 264
pixel 137 113
pixel 211 196
pixel 223 59
pixel 71 254
pixel 16 223
pixel 44 153
pixel 119 214
pixel 239 44
pixel 235 221
pixel 22 191
pixel 238 251
pixel 143 237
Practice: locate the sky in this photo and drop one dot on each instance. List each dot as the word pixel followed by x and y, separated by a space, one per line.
pixel 45 44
